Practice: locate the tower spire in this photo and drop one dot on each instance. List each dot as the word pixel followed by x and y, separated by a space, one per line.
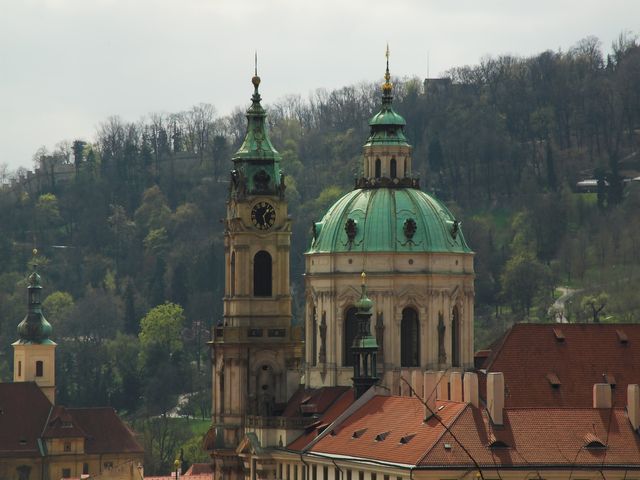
pixel 34 328
pixel 257 162
pixel 365 346
pixel 387 86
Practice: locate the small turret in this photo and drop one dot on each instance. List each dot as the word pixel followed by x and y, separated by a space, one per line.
pixel 256 163
pixel 34 352
pixel 387 153
pixel 365 346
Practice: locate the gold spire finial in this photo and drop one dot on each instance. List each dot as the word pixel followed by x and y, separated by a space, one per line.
pixel 256 79
pixel 364 278
pixel 34 252
pixel 386 87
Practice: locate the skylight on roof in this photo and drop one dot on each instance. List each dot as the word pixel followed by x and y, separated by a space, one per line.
pixel 407 438
pixel 622 337
pixel 559 335
pixel 358 433
pixel 593 442
pixel 553 379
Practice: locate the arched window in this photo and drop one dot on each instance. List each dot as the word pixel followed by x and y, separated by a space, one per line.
pixel 405 168
pixel 455 337
pixel 378 168
pixel 350 331
pixel 394 169
pixel 262 280
pixel 232 280
pixel 39 368
pixel 409 338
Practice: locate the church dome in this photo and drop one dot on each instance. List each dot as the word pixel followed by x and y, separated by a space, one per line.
pixel 388 220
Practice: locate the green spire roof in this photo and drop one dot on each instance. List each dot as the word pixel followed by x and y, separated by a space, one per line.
pixel 256 145
pixel 34 328
pixel 257 162
pixel 387 126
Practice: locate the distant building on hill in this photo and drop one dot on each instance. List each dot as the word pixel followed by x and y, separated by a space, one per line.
pixel 40 440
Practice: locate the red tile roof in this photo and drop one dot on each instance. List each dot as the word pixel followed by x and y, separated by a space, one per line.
pixel 199 469
pixel 61 424
pixel 333 411
pixel 539 437
pixel 392 429
pixel 106 432
pixel 312 401
pixel 578 355
pixel 389 429
pixel 24 410
pixel 27 417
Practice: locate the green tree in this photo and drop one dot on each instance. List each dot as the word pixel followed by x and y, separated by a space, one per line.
pixel 523 278
pixel 57 307
pixel 162 326
pixel 593 305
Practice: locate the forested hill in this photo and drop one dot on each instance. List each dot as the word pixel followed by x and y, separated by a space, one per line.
pixel 130 219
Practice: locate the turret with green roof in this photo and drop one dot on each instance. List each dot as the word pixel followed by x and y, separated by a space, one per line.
pixel 365 346
pixel 34 328
pixel 256 163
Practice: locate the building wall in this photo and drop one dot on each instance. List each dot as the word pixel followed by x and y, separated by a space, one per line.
pixel 431 283
pixel 116 466
pixel 24 366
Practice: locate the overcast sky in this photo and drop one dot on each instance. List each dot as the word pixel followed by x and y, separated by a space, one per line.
pixel 66 65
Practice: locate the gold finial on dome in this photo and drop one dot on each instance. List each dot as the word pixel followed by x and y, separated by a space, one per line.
pixel 256 79
pixel 34 252
pixel 364 278
pixel 386 87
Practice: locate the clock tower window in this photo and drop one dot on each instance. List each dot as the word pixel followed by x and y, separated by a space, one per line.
pixel 262 276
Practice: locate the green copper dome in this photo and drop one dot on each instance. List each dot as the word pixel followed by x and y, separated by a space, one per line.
pixel 388 220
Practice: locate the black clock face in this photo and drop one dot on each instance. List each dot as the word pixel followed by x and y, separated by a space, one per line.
pixel 263 215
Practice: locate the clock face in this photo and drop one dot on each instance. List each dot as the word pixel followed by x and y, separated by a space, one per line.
pixel 263 215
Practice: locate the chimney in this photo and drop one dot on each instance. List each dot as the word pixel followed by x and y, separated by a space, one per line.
pixel 495 396
pixel 416 382
pixel 442 391
pixel 601 395
pixel 470 382
pixel 455 380
pixel 633 405
pixel 430 382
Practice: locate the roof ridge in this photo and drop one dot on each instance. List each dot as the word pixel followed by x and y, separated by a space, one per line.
pixel 444 430
pixel 494 351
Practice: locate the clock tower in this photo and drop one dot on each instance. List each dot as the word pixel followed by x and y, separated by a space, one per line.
pixel 256 349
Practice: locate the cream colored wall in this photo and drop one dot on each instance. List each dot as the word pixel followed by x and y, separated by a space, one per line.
pixel 430 283
pixel 56 446
pixel 397 472
pixel 124 466
pixel 8 468
pixel 401 153
pixel 27 356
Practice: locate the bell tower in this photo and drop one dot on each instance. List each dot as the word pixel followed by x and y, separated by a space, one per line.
pixel 34 358
pixel 256 349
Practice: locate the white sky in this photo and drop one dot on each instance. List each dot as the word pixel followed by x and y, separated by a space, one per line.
pixel 66 65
